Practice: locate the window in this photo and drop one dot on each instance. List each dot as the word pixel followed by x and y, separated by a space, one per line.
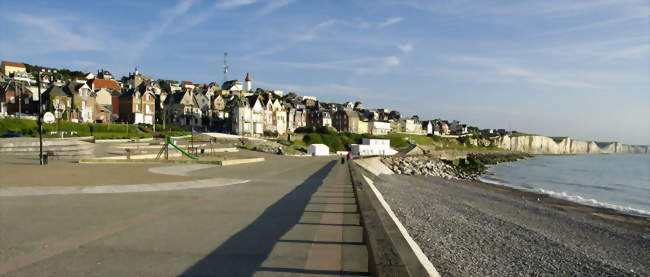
pixel 26 100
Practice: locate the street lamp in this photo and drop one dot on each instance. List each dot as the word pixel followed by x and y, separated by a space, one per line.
pixel 40 119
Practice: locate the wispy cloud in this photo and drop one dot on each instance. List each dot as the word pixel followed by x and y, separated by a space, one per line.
pixel 633 52
pixel 506 70
pixel 227 4
pixel 159 28
pixel 273 5
pixel 309 34
pixel 44 34
pixel 390 21
pixel 406 48
pixel 379 66
pixel 328 91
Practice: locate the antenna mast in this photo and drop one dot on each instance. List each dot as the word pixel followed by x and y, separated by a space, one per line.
pixel 225 67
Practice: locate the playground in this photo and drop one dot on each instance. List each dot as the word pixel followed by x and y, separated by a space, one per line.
pixel 174 150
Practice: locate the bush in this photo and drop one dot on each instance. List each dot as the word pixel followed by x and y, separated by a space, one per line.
pixel 324 130
pixel 304 130
pixel 313 138
pixel 16 125
pixel 333 142
pixel 273 134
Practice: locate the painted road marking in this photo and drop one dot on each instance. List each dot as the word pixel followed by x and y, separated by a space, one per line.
pixel 35 191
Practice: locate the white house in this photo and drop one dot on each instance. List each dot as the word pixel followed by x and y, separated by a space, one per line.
pixel 379 127
pixel 318 150
pixel 370 147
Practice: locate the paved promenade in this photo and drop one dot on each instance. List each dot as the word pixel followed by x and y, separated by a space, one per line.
pixel 294 217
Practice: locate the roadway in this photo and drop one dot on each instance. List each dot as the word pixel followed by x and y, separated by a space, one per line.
pixel 294 216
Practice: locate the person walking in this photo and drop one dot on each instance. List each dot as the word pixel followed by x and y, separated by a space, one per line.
pixel 349 156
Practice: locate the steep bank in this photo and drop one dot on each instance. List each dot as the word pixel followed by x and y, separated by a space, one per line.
pixel 534 144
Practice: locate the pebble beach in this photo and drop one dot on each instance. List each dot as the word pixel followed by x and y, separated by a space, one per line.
pixel 470 228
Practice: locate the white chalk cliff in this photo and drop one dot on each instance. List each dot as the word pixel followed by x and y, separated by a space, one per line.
pixel 545 145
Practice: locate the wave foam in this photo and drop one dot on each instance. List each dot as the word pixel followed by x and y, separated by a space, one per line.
pixel 573 198
pixel 593 202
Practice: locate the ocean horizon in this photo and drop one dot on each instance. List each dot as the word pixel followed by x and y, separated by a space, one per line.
pixel 620 182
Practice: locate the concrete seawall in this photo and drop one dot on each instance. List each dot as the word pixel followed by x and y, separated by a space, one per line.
pixel 391 250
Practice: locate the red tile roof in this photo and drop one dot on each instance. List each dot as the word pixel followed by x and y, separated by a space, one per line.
pixel 14 64
pixel 102 83
pixel 187 83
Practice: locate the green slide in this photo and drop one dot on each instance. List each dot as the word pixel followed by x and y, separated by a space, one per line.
pixel 171 142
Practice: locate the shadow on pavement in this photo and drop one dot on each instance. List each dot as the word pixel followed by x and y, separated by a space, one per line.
pixel 243 253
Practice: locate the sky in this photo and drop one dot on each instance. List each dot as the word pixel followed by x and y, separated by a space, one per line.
pixel 552 67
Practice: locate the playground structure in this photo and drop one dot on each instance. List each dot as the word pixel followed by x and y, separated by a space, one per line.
pixel 165 149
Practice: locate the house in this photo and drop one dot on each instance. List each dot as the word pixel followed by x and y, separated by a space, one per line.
pixel 456 128
pixel 83 102
pixel 318 150
pixel 296 117
pixel 379 127
pixel 103 113
pixel 319 118
pixel 170 87
pixel 11 68
pixel 410 125
pixel 371 147
pixel 109 98
pixel 358 106
pixel 218 113
pixel 187 85
pixel 59 102
pixel 89 76
pixel 346 121
pixel 279 118
pixel 247 115
pixel 444 127
pixel 104 74
pixel 234 86
pixel 309 101
pixel 427 127
pixel 137 106
pixel 203 103
pixel 18 98
pixel 362 127
pixel 182 108
pixel 97 84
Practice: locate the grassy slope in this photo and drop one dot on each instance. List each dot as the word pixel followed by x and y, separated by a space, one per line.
pixel 339 141
pixel 29 128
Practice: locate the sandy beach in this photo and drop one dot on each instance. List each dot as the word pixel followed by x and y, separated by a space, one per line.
pixel 471 228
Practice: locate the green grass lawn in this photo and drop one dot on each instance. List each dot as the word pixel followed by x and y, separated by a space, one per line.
pixel 29 128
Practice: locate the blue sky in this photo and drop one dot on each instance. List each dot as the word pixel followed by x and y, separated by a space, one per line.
pixel 552 67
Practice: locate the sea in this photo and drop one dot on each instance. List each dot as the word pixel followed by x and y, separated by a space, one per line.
pixel 620 181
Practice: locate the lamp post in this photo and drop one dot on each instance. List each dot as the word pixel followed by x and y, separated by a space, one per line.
pixel 20 99
pixel 40 119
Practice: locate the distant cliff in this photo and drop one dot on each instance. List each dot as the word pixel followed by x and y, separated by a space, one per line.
pixel 564 145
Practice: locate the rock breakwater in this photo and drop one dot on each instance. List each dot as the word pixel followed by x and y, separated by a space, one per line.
pixel 469 168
